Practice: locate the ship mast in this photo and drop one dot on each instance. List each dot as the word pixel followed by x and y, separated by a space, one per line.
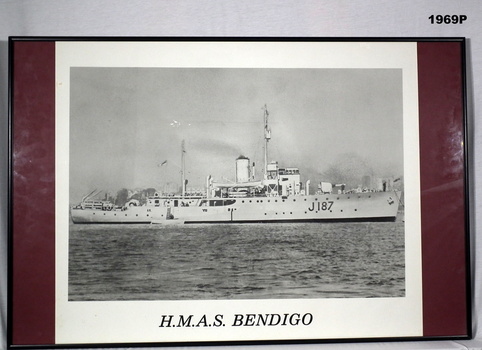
pixel 267 137
pixel 183 169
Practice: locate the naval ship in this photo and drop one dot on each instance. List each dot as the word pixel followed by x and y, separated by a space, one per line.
pixel 280 196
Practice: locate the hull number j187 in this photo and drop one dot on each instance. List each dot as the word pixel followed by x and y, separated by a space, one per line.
pixel 321 206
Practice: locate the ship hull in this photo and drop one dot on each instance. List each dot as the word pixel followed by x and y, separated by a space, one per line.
pixel 371 219
pixel 132 215
pixel 353 207
pixel 370 206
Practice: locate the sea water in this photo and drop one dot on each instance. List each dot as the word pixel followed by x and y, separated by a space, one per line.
pixel 236 261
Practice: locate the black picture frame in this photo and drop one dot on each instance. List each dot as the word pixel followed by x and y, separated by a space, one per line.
pixel 431 79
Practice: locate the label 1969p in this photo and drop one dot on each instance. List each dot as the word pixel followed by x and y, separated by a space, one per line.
pixel 447 19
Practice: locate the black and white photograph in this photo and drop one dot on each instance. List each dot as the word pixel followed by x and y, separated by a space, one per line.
pixel 225 183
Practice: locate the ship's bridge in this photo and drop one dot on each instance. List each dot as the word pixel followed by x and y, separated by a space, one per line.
pixel 289 171
pixel 282 181
pixel 290 181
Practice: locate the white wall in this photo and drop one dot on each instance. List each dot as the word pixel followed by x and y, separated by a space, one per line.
pixel 323 18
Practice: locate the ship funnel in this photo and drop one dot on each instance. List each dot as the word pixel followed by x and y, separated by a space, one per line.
pixel 242 169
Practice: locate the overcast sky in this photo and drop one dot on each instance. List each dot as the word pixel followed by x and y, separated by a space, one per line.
pixel 124 122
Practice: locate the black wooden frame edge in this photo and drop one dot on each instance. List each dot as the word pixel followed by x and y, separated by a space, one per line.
pixel 468 161
pixel 10 196
pixel 236 38
pixel 467 193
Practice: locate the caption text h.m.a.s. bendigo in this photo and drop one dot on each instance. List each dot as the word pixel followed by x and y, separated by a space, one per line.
pixel 237 320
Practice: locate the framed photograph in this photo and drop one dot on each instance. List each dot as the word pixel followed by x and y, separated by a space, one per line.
pixel 175 191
